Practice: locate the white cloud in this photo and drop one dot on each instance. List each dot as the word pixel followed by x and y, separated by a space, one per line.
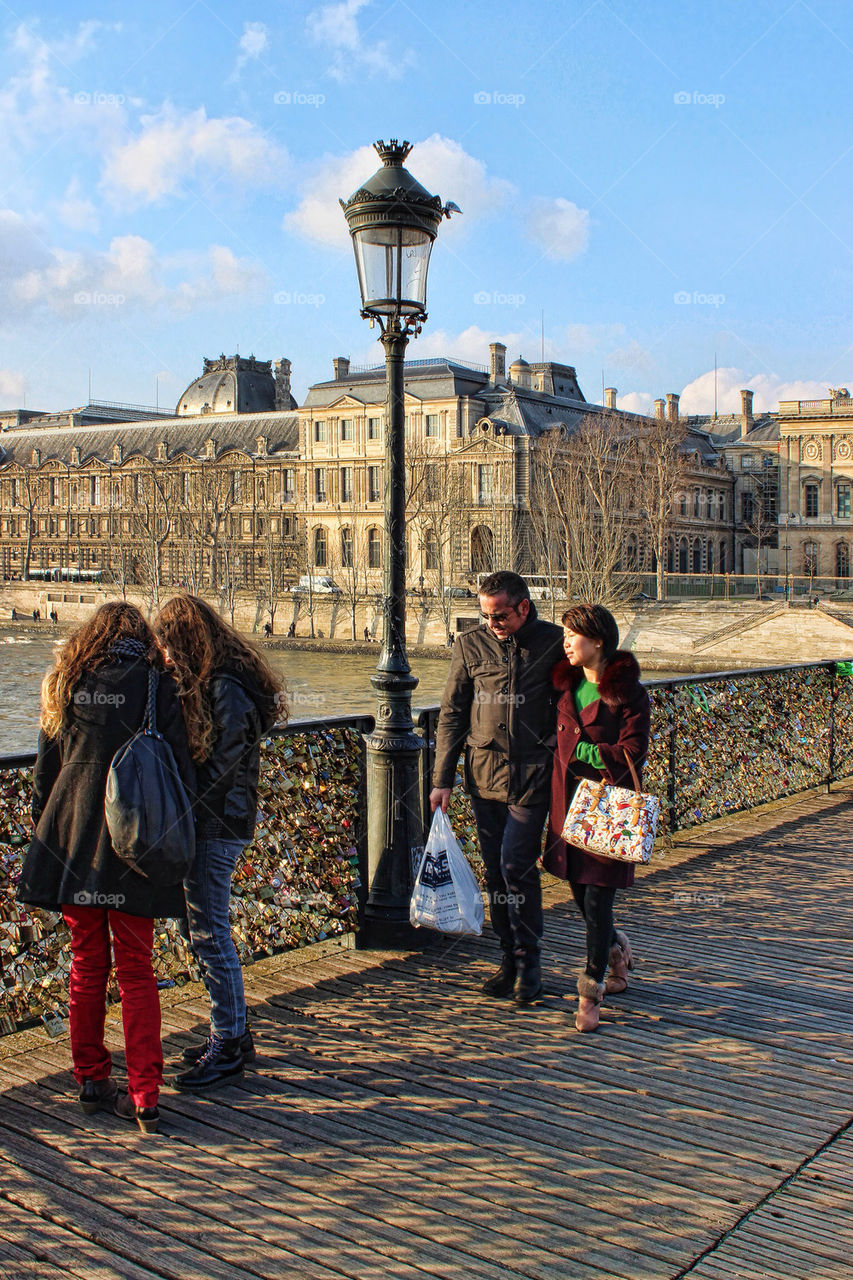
pixel 174 147
pixel 12 387
pixel 698 395
pixel 130 273
pixel 335 27
pixel 253 42
pixel 76 210
pixel 636 402
pixel 558 227
pixel 443 166
pixel 630 356
pixel 585 338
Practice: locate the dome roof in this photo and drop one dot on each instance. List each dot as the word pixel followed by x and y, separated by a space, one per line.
pixel 520 363
pixel 231 384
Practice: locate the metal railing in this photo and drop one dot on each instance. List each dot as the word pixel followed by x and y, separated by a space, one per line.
pixel 720 744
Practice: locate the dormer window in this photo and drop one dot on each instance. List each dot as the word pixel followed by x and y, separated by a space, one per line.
pixel 210 449
pixel 117 453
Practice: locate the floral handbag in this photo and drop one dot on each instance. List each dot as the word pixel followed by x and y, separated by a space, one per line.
pixel 613 822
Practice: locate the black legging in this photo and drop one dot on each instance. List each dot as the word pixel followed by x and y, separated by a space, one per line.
pixel 596 906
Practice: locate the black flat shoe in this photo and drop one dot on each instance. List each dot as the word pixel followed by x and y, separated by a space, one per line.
pixel 529 983
pixel 148 1118
pixel 502 982
pixel 98 1095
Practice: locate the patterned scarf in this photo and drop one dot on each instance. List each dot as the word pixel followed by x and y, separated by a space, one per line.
pixel 127 649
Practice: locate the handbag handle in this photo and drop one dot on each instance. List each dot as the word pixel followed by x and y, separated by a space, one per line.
pixel 634 777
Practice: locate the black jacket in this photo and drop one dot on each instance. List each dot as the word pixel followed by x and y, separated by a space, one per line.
pixel 228 780
pixel 500 704
pixel 70 860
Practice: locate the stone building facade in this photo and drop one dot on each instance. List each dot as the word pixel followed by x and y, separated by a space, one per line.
pixel 242 488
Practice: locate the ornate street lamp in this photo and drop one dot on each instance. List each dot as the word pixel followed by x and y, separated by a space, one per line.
pixel 393 222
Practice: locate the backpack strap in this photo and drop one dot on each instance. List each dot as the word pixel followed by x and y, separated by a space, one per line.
pixel 149 723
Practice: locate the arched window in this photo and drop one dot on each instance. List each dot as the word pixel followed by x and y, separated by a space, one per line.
pixel 374 548
pixel 631 555
pixel 697 555
pixel 696 504
pixel 723 560
pixel 431 549
pixel 670 555
pixel 320 547
pixel 810 558
pixel 346 548
pixel 842 560
pixel 710 565
pixel 482 549
pixel 682 555
pixel 262 492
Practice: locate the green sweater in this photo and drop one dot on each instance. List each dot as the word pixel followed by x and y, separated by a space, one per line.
pixel 587 752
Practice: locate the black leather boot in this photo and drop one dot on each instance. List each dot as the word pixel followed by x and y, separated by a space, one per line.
pixel 221 1064
pixel 530 980
pixel 502 982
pixel 197 1051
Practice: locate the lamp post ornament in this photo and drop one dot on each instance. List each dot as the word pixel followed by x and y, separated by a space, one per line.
pixel 393 222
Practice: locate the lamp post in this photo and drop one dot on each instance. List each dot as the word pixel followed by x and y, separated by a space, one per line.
pixel 393 222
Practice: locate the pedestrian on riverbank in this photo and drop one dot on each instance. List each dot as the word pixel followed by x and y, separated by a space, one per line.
pixel 603 712
pixel 499 705
pixel 93 701
pixel 231 699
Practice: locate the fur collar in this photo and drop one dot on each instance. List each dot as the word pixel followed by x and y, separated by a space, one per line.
pixel 619 679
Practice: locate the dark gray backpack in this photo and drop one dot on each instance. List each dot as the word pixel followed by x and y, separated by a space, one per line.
pixel 148 811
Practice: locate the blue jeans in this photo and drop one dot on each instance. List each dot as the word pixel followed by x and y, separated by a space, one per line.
pixel 510 845
pixel 208 893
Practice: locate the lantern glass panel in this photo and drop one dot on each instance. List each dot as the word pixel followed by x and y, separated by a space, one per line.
pixel 392 264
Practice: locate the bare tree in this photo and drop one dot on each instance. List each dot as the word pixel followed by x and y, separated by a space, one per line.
pixel 278 562
pixel 759 516
pixel 660 477
pixel 438 494
pixel 29 492
pixel 153 508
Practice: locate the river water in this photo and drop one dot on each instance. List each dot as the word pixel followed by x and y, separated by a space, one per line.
pixel 318 684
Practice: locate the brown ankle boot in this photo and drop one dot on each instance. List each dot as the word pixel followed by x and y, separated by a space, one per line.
pixel 621 960
pixel 591 994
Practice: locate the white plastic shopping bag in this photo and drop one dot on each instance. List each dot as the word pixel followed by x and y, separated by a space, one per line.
pixel 446 894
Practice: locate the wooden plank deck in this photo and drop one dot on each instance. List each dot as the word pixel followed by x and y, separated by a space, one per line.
pixel 398 1125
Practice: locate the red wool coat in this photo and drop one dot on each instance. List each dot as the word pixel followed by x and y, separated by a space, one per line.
pixel 617 722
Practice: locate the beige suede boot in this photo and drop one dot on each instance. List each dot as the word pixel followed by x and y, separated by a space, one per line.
pixel 591 994
pixel 621 960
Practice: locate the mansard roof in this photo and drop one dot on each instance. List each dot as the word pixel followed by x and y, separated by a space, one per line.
pixel 183 435
pixel 437 378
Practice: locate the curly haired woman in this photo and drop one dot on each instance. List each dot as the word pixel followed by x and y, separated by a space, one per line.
pixel 230 698
pixel 93 701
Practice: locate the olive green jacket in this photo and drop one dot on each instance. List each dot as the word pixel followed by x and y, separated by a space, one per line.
pixel 499 704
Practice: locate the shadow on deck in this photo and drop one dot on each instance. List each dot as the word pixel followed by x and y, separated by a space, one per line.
pixel 398 1125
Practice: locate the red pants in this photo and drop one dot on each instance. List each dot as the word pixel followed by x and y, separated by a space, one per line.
pixel 133 942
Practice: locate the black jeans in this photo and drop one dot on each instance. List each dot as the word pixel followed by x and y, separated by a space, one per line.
pixel 510 845
pixel 596 907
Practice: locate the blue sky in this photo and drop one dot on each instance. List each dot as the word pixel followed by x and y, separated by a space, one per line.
pixel 663 181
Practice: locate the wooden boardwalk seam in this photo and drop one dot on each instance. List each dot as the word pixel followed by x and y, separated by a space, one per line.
pixel 400 1125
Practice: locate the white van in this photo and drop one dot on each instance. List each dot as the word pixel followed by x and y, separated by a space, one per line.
pixel 316 586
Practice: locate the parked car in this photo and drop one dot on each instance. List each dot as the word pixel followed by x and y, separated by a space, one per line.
pixel 464 592
pixel 316 586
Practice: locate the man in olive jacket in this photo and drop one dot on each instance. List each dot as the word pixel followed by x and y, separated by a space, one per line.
pixel 499 705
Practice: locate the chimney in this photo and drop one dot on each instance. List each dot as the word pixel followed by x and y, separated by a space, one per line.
pixel 659 410
pixel 671 406
pixel 610 397
pixel 746 412
pixel 497 354
pixel 341 367
pixel 282 385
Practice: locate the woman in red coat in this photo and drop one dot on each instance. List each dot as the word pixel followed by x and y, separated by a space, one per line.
pixel 602 713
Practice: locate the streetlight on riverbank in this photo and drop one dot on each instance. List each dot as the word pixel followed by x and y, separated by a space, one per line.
pixel 393 222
